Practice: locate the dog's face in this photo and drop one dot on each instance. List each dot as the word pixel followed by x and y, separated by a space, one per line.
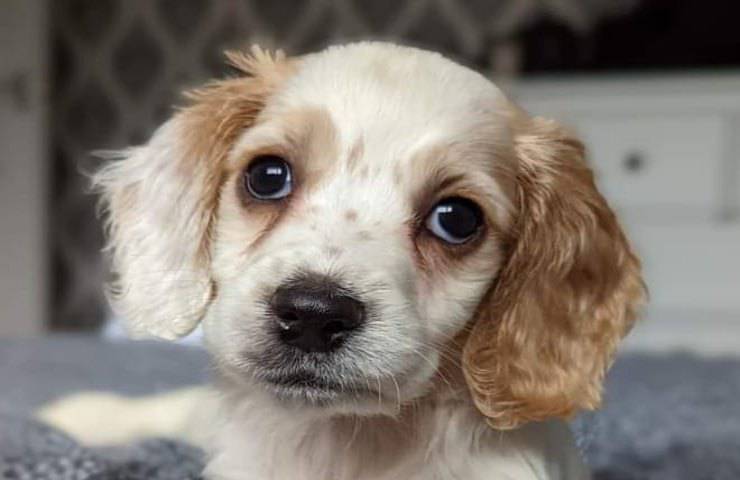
pixel 357 229
pixel 345 223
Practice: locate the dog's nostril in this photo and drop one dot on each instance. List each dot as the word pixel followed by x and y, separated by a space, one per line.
pixel 288 316
pixel 315 316
pixel 335 331
pixel 290 334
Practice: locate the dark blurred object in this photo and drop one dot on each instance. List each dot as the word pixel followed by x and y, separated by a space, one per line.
pixel 657 35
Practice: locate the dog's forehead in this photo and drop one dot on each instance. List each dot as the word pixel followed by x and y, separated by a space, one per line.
pixel 376 91
pixel 374 117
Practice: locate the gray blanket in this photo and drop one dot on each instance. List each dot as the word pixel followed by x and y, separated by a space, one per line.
pixel 671 417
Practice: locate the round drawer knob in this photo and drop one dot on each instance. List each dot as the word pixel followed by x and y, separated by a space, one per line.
pixel 634 162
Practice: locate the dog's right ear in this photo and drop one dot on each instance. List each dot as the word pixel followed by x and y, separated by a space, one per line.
pixel 159 200
pixel 569 290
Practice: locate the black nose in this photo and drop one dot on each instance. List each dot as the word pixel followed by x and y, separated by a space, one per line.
pixel 315 315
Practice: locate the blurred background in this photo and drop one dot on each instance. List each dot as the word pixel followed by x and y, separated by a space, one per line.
pixel 653 86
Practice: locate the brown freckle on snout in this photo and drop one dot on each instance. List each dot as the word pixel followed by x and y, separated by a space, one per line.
pixel 350 215
pixel 364 235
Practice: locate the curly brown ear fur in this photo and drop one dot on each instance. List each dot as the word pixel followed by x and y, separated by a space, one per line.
pixel 568 292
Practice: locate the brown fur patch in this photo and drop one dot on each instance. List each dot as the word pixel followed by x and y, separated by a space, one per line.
pixel 350 215
pixel 223 110
pixel 320 147
pixel 308 141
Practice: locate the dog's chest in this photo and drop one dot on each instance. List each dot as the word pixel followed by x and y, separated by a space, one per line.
pixel 342 466
pixel 311 457
pixel 451 444
pixel 258 449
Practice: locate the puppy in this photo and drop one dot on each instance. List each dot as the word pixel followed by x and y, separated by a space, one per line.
pixel 399 273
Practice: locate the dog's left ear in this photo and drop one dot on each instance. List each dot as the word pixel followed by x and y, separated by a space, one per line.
pixel 160 198
pixel 568 291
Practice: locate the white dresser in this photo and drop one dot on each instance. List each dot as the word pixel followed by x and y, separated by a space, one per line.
pixel 666 151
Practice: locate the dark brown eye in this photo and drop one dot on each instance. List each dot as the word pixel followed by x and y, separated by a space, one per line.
pixel 268 177
pixel 455 220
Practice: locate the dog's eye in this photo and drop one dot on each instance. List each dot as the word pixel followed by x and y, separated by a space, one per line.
pixel 455 220
pixel 269 178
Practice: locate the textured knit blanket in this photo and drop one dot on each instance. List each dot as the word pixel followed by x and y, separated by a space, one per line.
pixel 32 451
pixel 671 417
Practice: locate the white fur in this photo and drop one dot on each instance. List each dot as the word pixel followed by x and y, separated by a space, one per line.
pixel 446 442
pixel 157 242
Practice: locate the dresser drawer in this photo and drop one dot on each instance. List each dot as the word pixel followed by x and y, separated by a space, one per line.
pixel 690 266
pixel 655 160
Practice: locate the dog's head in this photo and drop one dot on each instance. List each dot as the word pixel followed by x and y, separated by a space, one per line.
pixel 356 225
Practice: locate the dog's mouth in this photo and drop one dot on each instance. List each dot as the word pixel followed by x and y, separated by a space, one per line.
pixel 312 389
pixel 302 381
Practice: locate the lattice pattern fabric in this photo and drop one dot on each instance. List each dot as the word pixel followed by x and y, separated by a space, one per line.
pixel 119 65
